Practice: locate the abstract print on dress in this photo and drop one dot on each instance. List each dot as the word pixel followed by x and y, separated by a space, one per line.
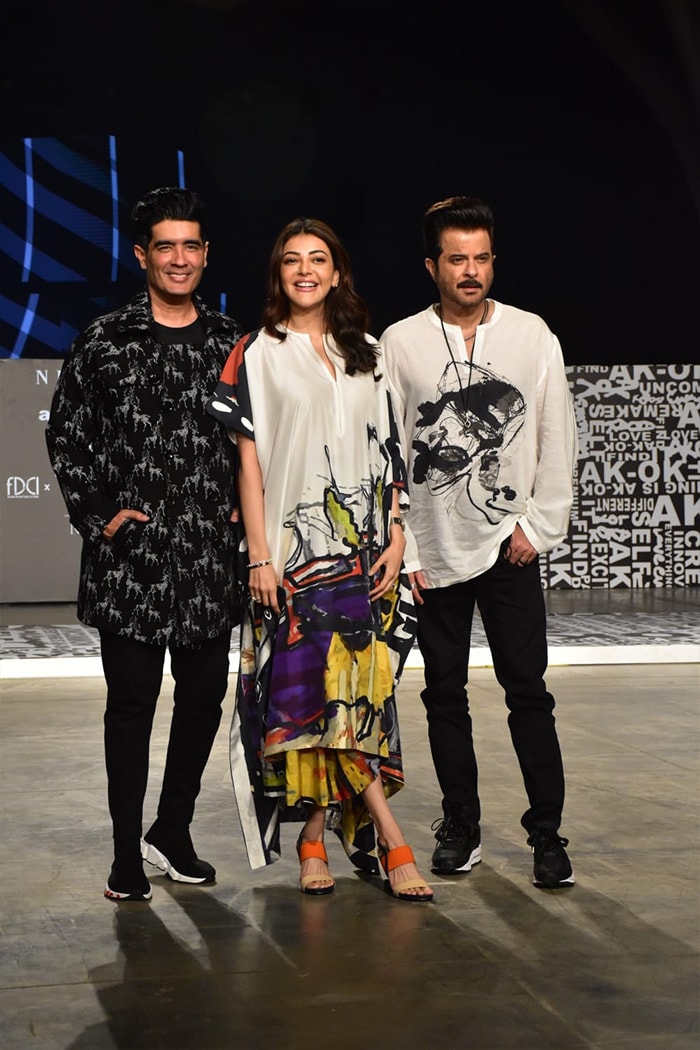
pixel 321 678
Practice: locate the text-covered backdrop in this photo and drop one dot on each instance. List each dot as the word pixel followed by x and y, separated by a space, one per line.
pixel 636 517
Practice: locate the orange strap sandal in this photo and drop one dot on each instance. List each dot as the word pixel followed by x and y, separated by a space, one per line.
pixel 394 858
pixel 309 851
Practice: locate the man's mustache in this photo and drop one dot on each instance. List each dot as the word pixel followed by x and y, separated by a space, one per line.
pixel 470 284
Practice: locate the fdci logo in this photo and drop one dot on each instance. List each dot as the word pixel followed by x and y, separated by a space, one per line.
pixel 23 488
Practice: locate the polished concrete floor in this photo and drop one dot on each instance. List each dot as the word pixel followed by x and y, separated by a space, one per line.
pixel 250 963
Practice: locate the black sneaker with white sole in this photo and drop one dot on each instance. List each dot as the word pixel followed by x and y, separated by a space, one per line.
pixel 127 886
pixel 552 866
pixel 458 846
pixel 173 852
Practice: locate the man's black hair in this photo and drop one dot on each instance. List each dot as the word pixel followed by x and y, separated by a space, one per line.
pixel 461 213
pixel 166 202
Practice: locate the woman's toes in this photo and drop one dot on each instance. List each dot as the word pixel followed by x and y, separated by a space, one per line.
pixel 407 873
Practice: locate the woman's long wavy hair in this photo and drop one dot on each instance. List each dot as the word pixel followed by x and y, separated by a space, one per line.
pixel 345 313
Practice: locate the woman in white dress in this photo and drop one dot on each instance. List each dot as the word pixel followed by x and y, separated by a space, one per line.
pixel 330 620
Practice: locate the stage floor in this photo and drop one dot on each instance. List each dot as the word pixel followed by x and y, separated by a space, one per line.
pixel 248 963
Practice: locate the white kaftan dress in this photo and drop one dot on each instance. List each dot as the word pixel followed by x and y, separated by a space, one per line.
pixel 316 685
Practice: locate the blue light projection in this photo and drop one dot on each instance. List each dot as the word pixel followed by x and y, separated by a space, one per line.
pixel 66 253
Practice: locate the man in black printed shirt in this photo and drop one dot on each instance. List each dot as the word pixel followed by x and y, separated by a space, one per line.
pixel 147 476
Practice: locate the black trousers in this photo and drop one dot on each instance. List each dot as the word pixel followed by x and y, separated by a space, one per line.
pixel 134 674
pixel 511 603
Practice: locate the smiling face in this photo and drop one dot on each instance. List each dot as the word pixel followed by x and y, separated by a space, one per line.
pixel 307 272
pixel 174 260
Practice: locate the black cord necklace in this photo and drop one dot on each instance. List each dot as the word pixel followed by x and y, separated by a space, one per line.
pixel 464 397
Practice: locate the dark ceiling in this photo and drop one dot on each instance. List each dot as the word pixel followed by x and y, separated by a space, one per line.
pixel 578 121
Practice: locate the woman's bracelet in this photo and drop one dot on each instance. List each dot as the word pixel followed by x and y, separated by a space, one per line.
pixel 259 564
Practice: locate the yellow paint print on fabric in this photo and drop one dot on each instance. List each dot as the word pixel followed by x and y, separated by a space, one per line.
pixel 323 776
pixel 342 520
pixel 362 681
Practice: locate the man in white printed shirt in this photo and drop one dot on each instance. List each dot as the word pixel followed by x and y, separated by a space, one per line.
pixel 491 440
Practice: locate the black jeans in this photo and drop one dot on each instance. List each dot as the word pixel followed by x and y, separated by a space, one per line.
pixel 134 673
pixel 511 604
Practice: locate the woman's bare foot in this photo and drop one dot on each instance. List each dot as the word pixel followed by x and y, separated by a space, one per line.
pixel 314 876
pixel 405 881
pixel 409 873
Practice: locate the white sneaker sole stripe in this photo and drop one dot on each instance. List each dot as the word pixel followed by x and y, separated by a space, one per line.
pixel 159 860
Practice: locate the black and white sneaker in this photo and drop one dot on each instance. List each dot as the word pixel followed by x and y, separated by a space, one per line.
pixel 458 846
pixel 174 854
pixel 133 887
pixel 552 866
